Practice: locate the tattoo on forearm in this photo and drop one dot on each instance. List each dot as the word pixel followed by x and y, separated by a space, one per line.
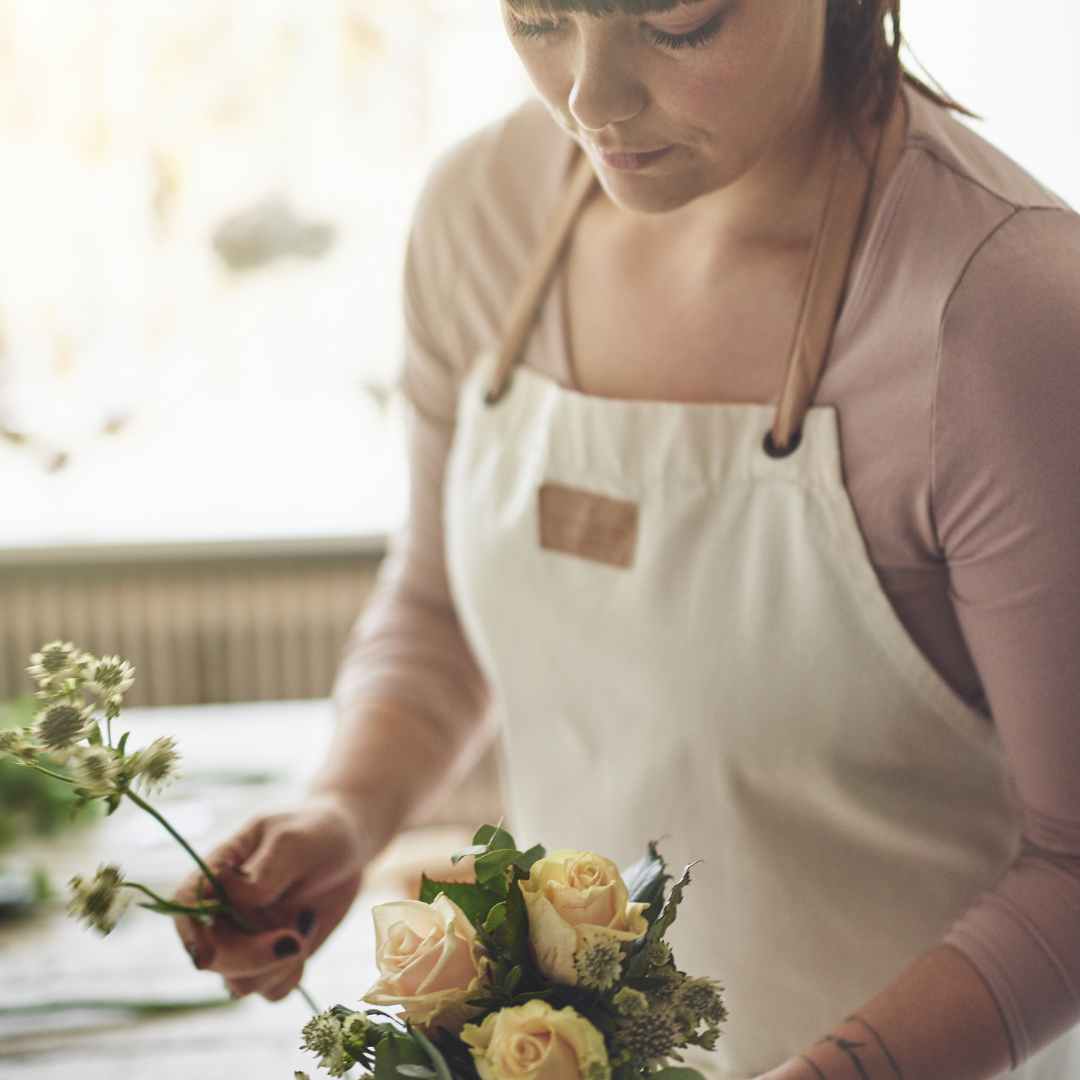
pixel 848 1047
pixel 813 1065
pixel 893 1063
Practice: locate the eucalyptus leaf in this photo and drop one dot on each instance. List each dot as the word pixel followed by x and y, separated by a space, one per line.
pixel 494 838
pixel 474 900
pixel 525 860
pixel 495 917
pixel 469 852
pixel 493 864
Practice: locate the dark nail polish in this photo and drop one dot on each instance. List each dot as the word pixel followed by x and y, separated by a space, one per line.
pixel 305 921
pixel 196 957
pixel 286 946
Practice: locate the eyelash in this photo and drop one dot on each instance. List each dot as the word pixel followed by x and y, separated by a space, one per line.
pixel 694 39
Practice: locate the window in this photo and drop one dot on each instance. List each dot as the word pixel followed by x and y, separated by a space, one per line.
pixel 204 218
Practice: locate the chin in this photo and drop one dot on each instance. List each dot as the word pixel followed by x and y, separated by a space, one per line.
pixel 645 194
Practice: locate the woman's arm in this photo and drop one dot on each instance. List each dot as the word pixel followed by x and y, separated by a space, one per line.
pixel 1006 504
pixel 409 695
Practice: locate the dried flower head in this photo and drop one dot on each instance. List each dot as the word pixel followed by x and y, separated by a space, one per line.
pixel 62 725
pixel 650 1037
pixel 323 1036
pixel 703 1000
pixel 18 743
pixel 56 663
pixel 101 901
pixel 356 1027
pixel 110 677
pixel 630 1002
pixel 155 766
pixel 598 962
pixel 96 769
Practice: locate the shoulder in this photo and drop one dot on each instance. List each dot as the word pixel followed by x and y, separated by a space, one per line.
pixel 971 233
pixel 487 197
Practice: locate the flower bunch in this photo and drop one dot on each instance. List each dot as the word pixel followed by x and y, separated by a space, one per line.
pixel 546 967
pixel 79 697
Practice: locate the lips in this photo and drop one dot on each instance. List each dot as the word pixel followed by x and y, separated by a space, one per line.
pixel 631 159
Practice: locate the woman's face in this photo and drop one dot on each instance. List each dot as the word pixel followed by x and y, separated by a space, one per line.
pixel 720 86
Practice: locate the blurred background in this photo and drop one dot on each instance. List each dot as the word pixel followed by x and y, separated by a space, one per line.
pixel 203 209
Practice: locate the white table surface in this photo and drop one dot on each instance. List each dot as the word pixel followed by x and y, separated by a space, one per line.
pixel 237 761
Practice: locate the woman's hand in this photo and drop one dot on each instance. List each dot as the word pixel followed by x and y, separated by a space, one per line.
pixel 291 878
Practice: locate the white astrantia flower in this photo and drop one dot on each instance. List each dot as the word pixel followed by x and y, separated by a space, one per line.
pixel 323 1036
pixel 61 725
pixel 101 901
pixel 56 662
pixel 95 769
pixel 155 766
pixel 18 743
pixel 598 960
pixel 110 677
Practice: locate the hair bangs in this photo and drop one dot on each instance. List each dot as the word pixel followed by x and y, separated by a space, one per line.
pixel 594 7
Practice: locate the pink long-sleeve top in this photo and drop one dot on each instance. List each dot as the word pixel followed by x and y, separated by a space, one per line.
pixel 956 379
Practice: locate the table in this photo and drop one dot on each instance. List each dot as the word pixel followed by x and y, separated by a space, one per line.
pixel 237 760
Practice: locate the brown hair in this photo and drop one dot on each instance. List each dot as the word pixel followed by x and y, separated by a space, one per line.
pixel 862 52
pixel 862 60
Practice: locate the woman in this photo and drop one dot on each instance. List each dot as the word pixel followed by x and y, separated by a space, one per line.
pixel 744 459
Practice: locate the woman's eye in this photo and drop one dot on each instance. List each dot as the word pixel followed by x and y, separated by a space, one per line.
pixel 533 31
pixel 701 36
pixel 693 38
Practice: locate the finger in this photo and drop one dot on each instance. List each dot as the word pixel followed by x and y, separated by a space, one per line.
pixel 196 940
pixel 328 910
pixel 283 979
pixel 284 987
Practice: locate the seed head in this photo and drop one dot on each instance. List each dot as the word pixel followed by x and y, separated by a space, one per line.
pixel 598 962
pixel 650 1037
pixel 96 769
pixel 101 901
pixel 61 726
pixel 155 766
pixel 323 1036
pixel 630 1002
pixel 110 677
pixel 703 1000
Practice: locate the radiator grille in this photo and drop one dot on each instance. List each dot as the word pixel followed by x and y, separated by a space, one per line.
pixel 197 631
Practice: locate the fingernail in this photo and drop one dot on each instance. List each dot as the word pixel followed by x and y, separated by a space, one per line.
pixel 286 946
pixel 305 921
pixel 197 957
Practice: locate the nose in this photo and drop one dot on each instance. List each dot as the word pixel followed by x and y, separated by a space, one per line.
pixel 606 90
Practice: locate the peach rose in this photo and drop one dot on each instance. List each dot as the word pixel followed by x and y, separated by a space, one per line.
pixel 579 914
pixel 429 960
pixel 536 1042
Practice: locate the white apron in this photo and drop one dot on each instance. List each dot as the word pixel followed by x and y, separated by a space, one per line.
pixel 686 640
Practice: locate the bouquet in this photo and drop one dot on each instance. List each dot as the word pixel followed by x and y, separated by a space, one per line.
pixel 545 967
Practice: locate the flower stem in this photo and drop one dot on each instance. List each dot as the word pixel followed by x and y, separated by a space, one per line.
pixel 48 772
pixel 207 872
pixel 179 909
pixel 315 1010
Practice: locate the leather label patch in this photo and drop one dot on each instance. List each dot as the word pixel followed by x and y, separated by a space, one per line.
pixel 588 525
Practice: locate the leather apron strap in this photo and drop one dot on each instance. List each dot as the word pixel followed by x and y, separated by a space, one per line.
pixel 842 221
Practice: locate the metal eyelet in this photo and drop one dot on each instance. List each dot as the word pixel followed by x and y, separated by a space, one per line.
pixel 774 451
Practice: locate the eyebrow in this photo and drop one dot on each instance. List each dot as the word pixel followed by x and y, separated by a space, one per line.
pixel 598 7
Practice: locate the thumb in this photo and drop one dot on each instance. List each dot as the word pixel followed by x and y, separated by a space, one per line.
pixel 278 864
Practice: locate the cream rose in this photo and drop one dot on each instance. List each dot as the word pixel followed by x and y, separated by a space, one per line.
pixel 536 1042
pixel 429 961
pixel 579 913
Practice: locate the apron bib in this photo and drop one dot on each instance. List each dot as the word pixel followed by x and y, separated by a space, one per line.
pixel 686 639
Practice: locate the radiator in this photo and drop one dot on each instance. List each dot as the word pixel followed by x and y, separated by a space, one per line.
pixel 197 630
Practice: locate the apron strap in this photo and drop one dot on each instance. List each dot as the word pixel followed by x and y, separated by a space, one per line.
pixel 842 221
pixel 531 295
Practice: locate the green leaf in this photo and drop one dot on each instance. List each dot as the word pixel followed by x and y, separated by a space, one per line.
pixel 93 734
pixel 676 1074
pixel 393 1051
pixel 511 935
pixel 495 917
pixel 670 909
pixel 121 746
pixel 493 865
pixel 526 859
pixel 513 980
pixel 646 881
pixel 417 1072
pixel 494 838
pixel 438 1062
pixel 474 900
